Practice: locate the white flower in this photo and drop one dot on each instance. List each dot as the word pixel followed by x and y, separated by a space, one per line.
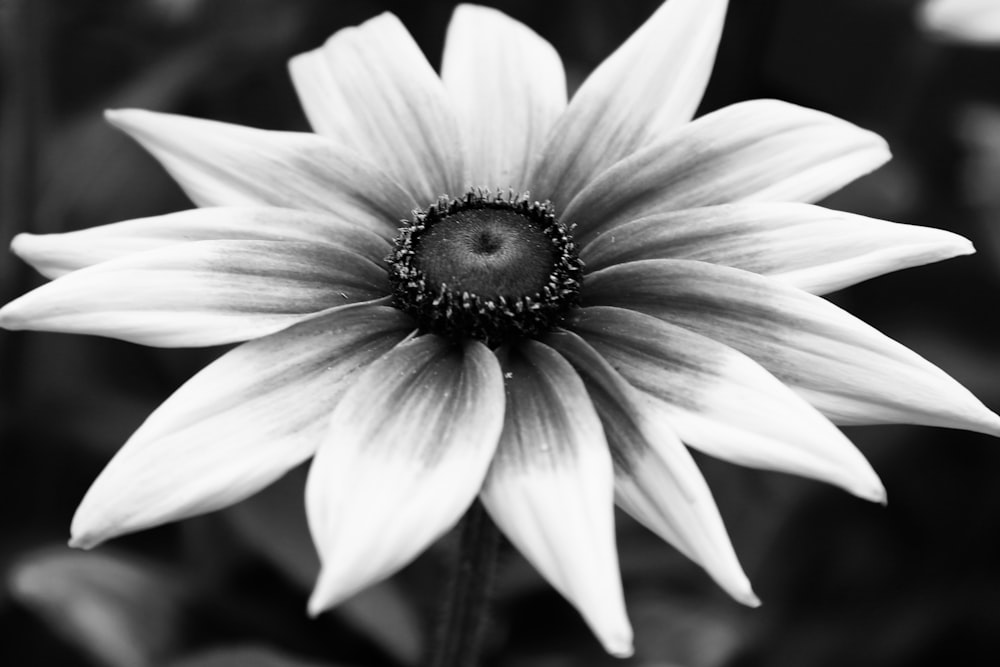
pixel 473 362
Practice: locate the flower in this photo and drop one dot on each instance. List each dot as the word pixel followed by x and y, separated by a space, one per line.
pixel 551 359
pixel 962 21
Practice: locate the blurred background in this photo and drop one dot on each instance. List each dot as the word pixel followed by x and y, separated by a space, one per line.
pixel 843 582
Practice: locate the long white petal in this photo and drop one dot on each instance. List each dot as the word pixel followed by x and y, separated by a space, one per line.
pixel 55 254
pixel 761 150
pixel 508 88
pixel 550 488
pixel 406 452
pixel 199 293
pixel 722 402
pixel 220 164
pixel 650 85
pixel 370 87
pixel 236 426
pixel 851 372
pixel 656 480
pixel 813 248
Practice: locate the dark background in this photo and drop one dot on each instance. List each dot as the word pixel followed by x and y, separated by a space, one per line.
pixel 843 582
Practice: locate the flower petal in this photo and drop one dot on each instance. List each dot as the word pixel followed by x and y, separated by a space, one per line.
pixel 508 87
pixel 236 426
pixel 550 488
pixel 651 84
pixel 220 164
pixel 847 369
pixel 721 402
pixel 56 254
pixel 370 87
pixel 761 150
pixel 656 480
pixel 813 248
pixel 962 21
pixel 407 450
pixel 199 293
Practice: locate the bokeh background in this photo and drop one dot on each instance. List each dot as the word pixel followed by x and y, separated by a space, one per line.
pixel 843 582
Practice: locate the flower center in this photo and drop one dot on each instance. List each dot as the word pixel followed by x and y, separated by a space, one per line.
pixel 485 266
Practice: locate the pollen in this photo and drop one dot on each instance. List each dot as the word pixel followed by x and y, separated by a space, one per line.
pixel 495 267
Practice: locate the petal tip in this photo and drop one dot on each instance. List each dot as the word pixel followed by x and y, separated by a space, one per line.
pixel 325 595
pixel 92 526
pixel 85 541
pixel 615 637
pixel 129 120
pixel 298 65
pixel 322 598
pixel 117 116
pixel 972 416
pixel 860 480
pixel 315 606
pixel 882 145
pixel 740 589
pixel 9 318
pixel 873 492
pixel 948 245
pixel 18 242
pixel 466 9
pixel 620 647
pixel 964 246
pixel 990 421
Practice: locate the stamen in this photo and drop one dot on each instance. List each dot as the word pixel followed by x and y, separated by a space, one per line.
pixel 489 266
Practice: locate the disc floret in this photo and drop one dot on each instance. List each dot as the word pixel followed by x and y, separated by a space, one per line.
pixel 490 266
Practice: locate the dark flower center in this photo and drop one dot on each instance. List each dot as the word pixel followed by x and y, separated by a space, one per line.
pixel 485 266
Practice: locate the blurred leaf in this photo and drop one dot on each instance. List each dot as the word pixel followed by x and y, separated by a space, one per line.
pixel 979 132
pixel 93 170
pixel 274 523
pixel 685 630
pixel 177 11
pixel 384 614
pixel 979 129
pixel 99 399
pixel 246 656
pixel 119 610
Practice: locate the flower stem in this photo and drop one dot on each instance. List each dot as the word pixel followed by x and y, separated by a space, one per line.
pixel 464 616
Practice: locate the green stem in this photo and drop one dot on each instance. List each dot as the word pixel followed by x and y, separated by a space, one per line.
pixel 459 642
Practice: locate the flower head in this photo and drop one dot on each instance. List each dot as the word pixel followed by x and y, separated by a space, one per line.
pixel 465 286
